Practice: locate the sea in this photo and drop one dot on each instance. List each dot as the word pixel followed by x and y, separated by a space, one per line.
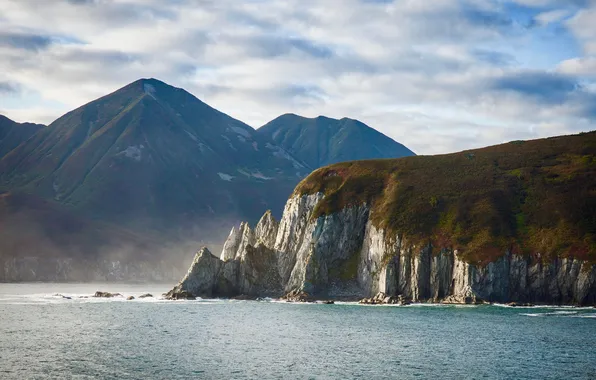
pixel 57 331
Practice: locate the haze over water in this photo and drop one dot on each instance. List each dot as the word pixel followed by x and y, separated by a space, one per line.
pixel 43 336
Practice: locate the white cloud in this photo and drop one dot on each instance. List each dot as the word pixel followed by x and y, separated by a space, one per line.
pixel 546 18
pixel 421 72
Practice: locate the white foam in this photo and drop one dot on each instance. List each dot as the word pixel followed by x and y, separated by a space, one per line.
pixel 225 177
pixel 551 314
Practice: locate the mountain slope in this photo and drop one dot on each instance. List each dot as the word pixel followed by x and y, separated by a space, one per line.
pixel 153 156
pixel 12 134
pixel 322 141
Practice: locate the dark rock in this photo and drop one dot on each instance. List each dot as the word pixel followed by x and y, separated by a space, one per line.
pixel 179 295
pixel 146 295
pixel 382 299
pixel 519 304
pixel 328 302
pixel 130 298
pixel 100 294
pixel 297 296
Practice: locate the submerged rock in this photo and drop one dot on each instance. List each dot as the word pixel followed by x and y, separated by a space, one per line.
pixel 519 304
pixel 101 294
pixel 62 296
pixel 327 302
pixel 383 299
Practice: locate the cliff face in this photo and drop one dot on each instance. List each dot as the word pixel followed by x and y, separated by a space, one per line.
pixel 512 222
pixel 344 255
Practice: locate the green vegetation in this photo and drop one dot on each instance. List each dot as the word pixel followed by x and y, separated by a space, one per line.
pixel 537 197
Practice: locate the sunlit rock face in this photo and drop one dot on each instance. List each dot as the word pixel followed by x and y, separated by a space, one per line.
pixel 343 255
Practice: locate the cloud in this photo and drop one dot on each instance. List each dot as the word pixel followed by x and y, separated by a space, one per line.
pixel 8 88
pixel 547 88
pixel 584 66
pixel 437 76
pixel 24 41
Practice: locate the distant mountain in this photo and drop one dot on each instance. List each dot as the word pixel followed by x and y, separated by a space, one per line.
pixel 41 241
pixel 12 134
pixel 322 141
pixel 152 156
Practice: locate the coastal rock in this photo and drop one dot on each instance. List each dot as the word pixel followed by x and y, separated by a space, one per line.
pixel 345 255
pixel 146 295
pixel 297 296
pixel 130 298
pixel 200 278
pixel 101 294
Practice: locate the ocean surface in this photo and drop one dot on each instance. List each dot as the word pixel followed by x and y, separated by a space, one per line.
pixel 46 336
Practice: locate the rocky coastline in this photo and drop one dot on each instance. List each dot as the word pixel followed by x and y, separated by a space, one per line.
pixel 344 256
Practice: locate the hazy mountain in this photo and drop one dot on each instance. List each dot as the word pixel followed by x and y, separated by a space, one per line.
pixel 12 133
pixel 153 156
pixel 42 241
pixel 322 141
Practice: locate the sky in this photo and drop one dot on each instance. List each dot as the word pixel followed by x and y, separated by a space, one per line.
pixel 438 76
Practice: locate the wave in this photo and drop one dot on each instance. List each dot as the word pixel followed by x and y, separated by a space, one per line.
pixel 554 313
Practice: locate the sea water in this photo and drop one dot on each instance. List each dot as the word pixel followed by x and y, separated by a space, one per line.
pixel 44 335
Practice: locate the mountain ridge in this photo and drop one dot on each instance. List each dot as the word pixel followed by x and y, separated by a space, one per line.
pixel 323 140
pixel 12 134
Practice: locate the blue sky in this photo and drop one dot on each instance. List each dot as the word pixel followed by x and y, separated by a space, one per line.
pixel 438 76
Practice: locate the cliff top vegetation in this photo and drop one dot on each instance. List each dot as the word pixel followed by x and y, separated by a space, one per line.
pixel 534 197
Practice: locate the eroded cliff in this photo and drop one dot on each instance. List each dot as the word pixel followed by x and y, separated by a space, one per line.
pixel 515 222
pixel 343 255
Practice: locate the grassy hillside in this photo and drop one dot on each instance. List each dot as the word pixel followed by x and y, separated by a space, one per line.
pixel 536 197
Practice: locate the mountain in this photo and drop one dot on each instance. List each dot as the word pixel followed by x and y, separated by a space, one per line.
pixel 152 156
pixel 322 141
pixel 12 134
pixel 509 223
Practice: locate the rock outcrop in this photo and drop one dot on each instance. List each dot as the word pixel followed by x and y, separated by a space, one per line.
pixel 343 255
pixel 200 278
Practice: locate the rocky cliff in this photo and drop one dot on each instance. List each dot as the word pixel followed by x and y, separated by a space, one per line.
pixel 340 235
pixel 343 255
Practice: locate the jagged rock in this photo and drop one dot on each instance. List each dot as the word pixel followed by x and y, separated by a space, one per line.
pixel 146 295
pixel 383 299
pixel 266 230
pixel 179 295
pixel 130 298
pixel 200 278
pixel 101 294
pixel 344 255
pixel 297 296
pixel 327 302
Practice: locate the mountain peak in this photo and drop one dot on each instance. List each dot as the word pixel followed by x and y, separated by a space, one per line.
pixel 322 140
